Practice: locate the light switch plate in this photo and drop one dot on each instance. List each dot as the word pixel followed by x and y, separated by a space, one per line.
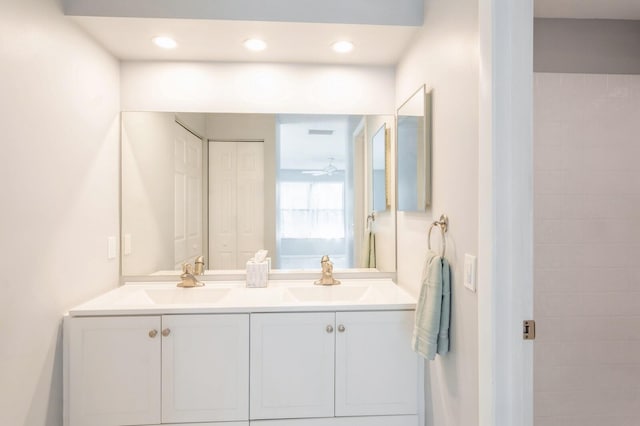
pixel 470 272
pixel 112 251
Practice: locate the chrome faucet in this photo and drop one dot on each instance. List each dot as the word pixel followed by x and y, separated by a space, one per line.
pixel 188 277
pixel 327 272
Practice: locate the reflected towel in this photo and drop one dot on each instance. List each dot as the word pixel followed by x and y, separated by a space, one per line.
pixel 433 311
pixel 369 250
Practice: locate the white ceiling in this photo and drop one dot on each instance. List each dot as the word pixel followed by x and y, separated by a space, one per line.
pixel 221 40
pixel 588 9
pixel 129 38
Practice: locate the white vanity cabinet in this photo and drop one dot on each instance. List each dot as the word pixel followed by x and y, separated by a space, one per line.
pixel 205 368
pixel 330 364
pixel 292 364
pixel 157 369
pixel 376 369
pixel 114 371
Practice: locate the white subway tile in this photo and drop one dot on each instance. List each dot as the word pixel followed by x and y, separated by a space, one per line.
pixel 549 231
pixel 587 420
pixel 575 377
pixel 552 133
pixel 587 250
pixel 587 354
pixel 618 86
pixel 549 182
pixel 575 329
pixel 548 206
pixel 588 402
pixel 548 157
pixel 580 304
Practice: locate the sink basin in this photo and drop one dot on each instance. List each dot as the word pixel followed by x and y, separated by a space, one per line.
pixel 329 294
pixel 186 296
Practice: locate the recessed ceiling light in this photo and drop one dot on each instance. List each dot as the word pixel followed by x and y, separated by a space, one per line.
pixel 255 44
pixel 165 42
pixel 342 46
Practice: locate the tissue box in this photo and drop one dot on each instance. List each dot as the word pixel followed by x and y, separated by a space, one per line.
pixel 257 273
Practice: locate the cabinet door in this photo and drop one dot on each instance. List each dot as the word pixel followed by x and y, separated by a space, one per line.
pixel 114 375
pixel 342 421
pixel 205 368
pixel 292 362
pixel 376 369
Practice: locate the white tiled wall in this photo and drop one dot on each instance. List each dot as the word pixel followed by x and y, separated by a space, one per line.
pixel 587 250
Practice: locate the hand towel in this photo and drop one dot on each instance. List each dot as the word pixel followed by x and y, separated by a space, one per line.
pixel 372 250
pixel 433 311
pixel 369 250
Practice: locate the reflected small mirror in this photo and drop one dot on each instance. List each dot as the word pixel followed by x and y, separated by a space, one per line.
pixel 379 169
pixel 414 152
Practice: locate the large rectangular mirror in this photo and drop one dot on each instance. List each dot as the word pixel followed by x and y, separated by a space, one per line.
pixel 414 152
pixel 227 185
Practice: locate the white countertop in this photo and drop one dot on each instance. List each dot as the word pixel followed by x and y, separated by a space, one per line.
pixel 158 298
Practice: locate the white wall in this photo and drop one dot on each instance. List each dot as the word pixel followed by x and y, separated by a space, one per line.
pixel 257 88
pixel 587 211
pixel 445 57
pixel 59 105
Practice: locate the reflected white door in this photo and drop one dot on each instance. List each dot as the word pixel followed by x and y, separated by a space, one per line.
pixel 187 196
pixel 236 203
pixel 250 200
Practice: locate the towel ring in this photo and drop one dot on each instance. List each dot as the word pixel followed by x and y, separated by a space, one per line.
pixel 443 224
pixel 370 219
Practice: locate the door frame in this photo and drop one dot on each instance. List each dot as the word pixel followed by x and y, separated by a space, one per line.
pixel 505 266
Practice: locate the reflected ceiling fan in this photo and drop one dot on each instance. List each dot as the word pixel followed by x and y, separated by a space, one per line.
pixel 329 170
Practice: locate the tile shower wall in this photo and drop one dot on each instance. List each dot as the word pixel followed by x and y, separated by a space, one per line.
pixel 587 250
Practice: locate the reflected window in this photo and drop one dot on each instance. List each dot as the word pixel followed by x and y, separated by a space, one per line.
pixel 312 210
pixel 314 184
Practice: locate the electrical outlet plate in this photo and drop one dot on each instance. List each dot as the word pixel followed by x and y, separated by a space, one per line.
pixel 470 266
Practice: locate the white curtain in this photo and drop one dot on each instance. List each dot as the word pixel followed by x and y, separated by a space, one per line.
pixel 312 210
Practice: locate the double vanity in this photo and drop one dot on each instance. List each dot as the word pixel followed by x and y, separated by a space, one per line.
pixel 291 354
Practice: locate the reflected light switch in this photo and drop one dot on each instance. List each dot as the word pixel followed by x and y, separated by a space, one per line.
pixel 111 242
pixel 470 272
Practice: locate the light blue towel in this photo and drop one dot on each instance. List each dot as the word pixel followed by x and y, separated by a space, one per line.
pixel 431 329
pixel 368 251
pixel 371 263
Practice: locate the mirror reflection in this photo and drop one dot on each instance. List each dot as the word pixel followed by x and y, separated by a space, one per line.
pixel 379 153
pixel 227 185
pixel 414 152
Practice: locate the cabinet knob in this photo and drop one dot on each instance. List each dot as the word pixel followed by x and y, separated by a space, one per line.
pixel 329 329
pixel 166 332
pixel 341 328
pixel 153 333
